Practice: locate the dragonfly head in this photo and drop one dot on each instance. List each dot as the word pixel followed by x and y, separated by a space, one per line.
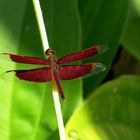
pixel 50 52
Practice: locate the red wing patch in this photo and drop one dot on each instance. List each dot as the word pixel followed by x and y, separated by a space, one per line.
pixel 83 54
pixel 26 59
pixel 33 75
pixel 73 72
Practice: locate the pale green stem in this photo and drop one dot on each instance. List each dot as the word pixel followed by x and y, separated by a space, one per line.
pixel 59 116
pixel 41 24
pixel 45 43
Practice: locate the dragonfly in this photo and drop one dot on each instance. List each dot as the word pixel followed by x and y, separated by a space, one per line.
pixel 55 69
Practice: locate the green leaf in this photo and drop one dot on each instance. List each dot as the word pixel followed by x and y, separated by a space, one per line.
pixel 27 110
pixel 130 39
pixel 102 23
pixel 111 113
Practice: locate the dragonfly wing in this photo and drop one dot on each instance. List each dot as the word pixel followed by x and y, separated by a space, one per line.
pixel 83 54
pixel 24 59
pixel 77 71
pixel 33 75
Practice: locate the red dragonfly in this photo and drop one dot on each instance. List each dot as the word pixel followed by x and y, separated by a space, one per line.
pixel 54 68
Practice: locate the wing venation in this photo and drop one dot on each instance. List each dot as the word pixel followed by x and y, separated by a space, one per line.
pixel 83 54
pixel 32 75
pixel 25 59
pixel 77 71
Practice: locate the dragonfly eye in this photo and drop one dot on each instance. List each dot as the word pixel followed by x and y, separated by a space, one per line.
pixel 49 52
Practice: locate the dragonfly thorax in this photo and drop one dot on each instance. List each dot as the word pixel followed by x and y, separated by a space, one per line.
pixel 53 63
pixel 52 58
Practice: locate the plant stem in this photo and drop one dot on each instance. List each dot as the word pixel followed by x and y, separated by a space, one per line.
pixel 41 24
pixel 45 43
pixel 58 110
pixel 59 116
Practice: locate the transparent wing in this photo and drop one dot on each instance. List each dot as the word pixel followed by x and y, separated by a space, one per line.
pixel 77 71
pixel 83 54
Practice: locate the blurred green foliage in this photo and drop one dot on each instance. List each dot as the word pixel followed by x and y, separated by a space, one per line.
pixel 111 113
pixel 130 38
